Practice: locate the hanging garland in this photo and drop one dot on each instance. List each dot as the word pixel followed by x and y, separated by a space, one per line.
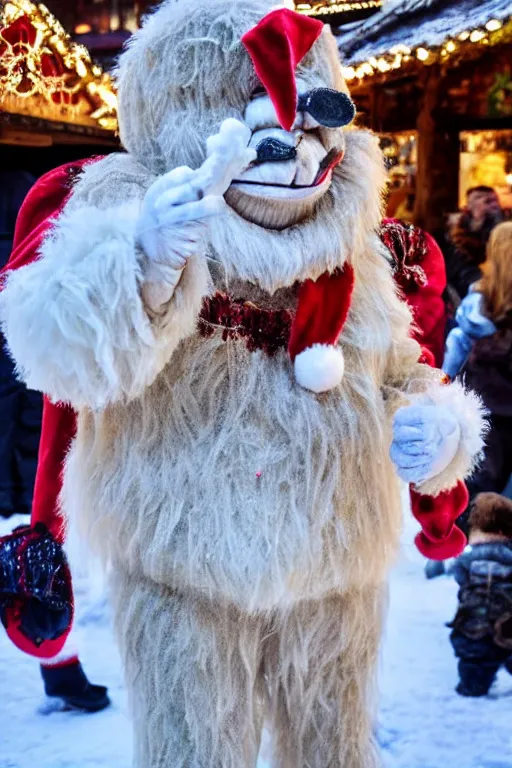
pixel 38 58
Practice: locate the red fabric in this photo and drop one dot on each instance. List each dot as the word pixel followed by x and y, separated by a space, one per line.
pixel 322 310
pixel 42 205
pixel 276 45
pixel 46 650
pixel 58 430
pixel 440 538
pixel 427 304
pixel 426 300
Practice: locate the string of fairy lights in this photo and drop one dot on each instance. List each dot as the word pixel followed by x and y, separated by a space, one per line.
pixel 400 56
pixel 327 8
pixel 22 59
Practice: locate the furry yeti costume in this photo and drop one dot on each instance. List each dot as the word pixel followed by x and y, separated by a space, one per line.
pixel 250 523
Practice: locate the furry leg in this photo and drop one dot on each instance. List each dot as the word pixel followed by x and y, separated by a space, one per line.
pixel 322 668
pixel 191 670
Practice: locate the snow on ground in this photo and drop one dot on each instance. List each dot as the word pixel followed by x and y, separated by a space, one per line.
pixel 422 723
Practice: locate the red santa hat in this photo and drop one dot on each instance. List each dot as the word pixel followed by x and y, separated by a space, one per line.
pixel 321 314
pixel 276 45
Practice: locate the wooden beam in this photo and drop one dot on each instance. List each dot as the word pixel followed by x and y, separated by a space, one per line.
pixel 437 179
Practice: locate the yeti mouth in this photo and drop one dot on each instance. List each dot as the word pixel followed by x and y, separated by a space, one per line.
pixel 284 191
pixel 295 191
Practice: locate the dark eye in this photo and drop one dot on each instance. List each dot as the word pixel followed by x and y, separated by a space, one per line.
pixel 258 91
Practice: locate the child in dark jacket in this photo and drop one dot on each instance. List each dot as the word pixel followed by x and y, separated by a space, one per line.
pixel 482 628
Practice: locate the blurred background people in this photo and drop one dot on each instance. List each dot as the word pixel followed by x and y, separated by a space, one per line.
pixel 468 237
pixel 481 348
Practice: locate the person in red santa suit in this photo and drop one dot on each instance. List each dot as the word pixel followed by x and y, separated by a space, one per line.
pixel 36 598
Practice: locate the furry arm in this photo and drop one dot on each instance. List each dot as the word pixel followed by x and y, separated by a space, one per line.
pixel 117 287
pixel 75 320
pixel 446 420
pixel 438 435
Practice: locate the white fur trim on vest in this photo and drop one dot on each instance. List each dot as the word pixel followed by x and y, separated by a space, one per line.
pixel 320 367
pixel 469 411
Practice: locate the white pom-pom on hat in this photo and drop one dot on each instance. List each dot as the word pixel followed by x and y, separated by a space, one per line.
pixel 320 367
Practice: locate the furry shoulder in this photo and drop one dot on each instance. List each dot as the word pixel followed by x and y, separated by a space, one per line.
pixel 111 181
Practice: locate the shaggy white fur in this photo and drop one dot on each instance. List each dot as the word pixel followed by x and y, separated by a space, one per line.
pixel 469 411
pixel 250 524
pixel 86 339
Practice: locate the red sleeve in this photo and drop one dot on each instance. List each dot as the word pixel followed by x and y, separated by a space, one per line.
pixel 42 205
pixel 427 303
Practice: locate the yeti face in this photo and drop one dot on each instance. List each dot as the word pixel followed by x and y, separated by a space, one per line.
pixel 305 204
pixel 294 168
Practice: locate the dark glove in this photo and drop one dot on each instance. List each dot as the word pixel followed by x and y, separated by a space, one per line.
pixel 36 597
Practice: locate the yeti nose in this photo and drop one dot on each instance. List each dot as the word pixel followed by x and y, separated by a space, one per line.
pixel 331 109
pixel 271 149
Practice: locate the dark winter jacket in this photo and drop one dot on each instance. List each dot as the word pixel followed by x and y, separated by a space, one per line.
pixel 484 574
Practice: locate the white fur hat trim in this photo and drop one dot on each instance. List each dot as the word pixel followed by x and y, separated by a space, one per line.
pixel 320 367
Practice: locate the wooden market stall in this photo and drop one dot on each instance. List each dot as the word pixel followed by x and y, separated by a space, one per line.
pixel 56 104
pixel 436 75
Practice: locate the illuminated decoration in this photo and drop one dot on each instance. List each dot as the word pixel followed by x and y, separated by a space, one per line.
pixel 494 31
pixel 44 74
pixel 83 29
pixel 331 7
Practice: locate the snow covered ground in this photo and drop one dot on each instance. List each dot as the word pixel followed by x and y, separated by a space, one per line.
pixel 422 723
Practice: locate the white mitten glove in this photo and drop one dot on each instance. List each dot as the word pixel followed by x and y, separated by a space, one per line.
pixel 176 207
pixel 425 441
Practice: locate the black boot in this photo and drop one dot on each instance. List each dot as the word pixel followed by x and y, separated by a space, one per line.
pixel 69 683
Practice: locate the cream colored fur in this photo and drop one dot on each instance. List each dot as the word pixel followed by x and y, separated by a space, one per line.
pixel 469 412
pixel 250 524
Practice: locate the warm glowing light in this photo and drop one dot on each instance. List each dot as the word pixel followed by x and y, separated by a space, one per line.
pixel 81 69
pixel 508 179
pixel 76 89
pixel 464 35
pixel 324 9
pixel 493 25
pixel 477 35
pixel 349 73
pixel 450 46
pixel 83 29
pixel 422 54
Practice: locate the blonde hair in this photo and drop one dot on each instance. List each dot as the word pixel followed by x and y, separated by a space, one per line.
pixel 496 283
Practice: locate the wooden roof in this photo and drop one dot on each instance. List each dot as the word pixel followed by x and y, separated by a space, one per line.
pixel 421 30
